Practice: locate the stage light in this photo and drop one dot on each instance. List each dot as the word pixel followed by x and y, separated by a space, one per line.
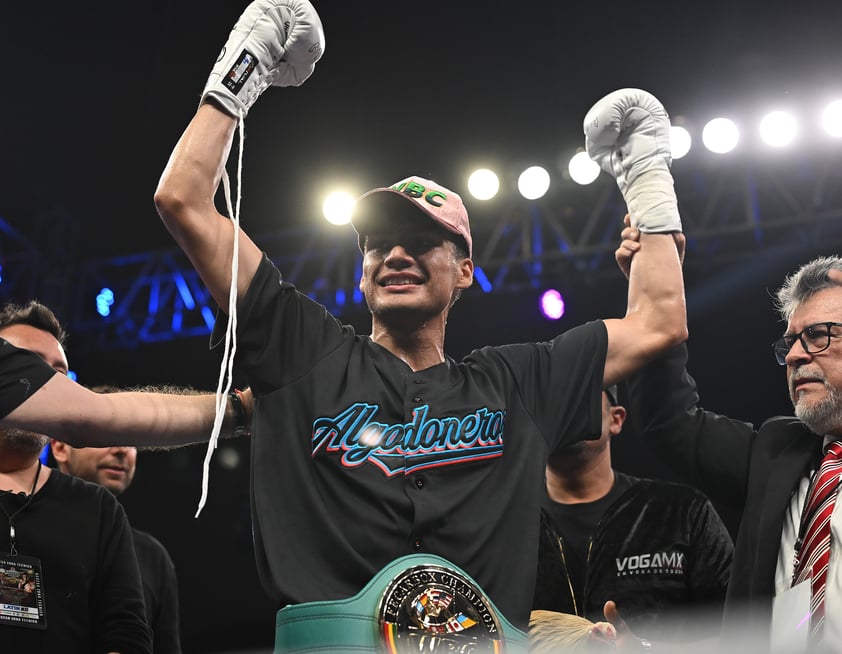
pixel 552 304
pixel 778 129
pixel 533 182
pixel 228 458
pixel 104 301
pixel 184 291
pixel 832 118
pixel 208 317
pixel 482 279
pixel 338 207
pixel 583 170
pixel 720 135
pixel 483 184
pixel 680 141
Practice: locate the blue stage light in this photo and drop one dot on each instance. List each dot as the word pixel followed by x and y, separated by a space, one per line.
pixel 104 301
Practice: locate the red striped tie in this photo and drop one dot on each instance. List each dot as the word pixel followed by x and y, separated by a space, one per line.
pixel 814 554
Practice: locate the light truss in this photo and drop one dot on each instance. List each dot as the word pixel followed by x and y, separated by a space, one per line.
pixel 731 209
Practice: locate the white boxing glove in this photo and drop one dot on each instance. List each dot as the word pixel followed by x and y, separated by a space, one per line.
pixel 273 43
pixel 628 134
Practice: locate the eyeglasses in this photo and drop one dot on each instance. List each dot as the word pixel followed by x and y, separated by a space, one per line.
pixel 814 339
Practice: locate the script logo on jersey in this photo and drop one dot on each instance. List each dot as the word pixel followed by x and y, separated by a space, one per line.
pixel 671 563
pixel 424 442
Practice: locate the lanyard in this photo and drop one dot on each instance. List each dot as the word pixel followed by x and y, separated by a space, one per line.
pixel 13 551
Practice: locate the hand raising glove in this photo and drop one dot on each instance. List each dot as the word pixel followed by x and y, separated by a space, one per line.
pixel 273 43
pixel 628 134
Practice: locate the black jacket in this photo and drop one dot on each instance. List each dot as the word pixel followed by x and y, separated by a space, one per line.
pixel 756 470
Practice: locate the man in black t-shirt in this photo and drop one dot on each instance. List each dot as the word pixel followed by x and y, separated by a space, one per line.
pixel 658 550
pixel 114 468
pixel 69 537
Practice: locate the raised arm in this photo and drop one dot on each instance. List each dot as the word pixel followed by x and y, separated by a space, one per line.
pixel 656 316
pixel 274 42
pixel 628 133
pixel 185 202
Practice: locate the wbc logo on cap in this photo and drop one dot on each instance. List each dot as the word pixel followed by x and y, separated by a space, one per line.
pixel 415 190
pixel 440 204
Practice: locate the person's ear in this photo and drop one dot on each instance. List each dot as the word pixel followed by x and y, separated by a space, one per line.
pixel 618 418
pixel 466 274
pixel 60 450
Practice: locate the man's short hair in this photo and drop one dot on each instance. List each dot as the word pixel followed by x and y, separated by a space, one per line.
pixel 33 314
pixel 805 282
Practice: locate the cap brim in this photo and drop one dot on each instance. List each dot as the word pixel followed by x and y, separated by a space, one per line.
pixel 381 207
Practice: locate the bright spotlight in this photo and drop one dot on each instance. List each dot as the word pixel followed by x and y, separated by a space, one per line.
pixel 337 208
pixel 483 184
pixel 552 304
pixel 680 141
pixel 583 170
pixel 720 135
pixel 832 118
pixel 533 182
pixel 778 129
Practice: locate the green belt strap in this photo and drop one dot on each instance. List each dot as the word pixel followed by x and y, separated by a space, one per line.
pixel 353 624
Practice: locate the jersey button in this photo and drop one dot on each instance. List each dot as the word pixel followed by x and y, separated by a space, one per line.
pixel 416 544
pixel 419 482
pixel 416 399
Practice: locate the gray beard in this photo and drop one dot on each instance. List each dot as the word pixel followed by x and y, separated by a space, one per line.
pixel 824 417
pixel 26 442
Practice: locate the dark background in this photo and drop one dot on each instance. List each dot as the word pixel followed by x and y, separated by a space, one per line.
pixel 96 94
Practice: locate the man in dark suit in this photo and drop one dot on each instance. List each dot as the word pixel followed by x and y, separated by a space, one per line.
pixel 769 471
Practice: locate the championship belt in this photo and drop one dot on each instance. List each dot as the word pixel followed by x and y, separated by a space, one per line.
pixel 417 603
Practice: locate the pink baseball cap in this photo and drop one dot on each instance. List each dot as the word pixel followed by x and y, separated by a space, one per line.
pixel 437 202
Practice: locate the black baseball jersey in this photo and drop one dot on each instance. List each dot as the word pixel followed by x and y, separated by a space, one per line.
pixel 21 374
pixel 357 460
